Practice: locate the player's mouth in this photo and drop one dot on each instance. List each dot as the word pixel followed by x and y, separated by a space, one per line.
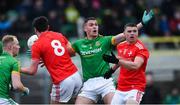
pixel 94 31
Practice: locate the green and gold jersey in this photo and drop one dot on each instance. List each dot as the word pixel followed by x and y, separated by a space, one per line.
pixel 8 65
pixel 91 52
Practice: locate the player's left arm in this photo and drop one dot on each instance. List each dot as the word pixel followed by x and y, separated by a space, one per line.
pixel 132 65
pixel 32 69
pixel 145 19
pixel 15 77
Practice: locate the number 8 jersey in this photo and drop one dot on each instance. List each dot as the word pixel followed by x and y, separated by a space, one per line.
pixel 51 48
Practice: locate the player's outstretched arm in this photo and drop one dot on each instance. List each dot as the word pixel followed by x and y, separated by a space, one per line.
pixel 17 84
pixel 32 69
pixel 145 19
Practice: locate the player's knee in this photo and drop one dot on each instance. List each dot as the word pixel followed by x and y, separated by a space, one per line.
pixel 83 100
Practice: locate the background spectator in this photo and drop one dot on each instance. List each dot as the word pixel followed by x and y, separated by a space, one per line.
pixel 152 93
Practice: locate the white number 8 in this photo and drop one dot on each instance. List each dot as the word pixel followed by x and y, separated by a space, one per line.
pixel 56 44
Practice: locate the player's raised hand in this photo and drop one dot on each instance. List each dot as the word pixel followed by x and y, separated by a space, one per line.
pixel 109 73
pixel 25 91
pixel 147 16
pixel 110 58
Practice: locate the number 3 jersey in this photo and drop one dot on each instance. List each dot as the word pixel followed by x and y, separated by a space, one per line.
pixel 132 79
pixel 51 48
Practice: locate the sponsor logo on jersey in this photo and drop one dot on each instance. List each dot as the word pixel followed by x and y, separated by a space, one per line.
pixel 94 51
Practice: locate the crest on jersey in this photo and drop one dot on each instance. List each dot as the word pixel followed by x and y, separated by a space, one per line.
pixel 98 43
pixel 83 46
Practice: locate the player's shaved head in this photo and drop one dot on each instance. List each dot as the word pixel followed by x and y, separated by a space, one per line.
pixel 8 39
pixel 129 25
pixel 40 23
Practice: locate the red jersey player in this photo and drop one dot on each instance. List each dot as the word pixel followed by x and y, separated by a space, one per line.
pixel 52 48
pixel 133 57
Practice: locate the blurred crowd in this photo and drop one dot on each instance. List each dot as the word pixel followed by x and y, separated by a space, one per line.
pixel 67 16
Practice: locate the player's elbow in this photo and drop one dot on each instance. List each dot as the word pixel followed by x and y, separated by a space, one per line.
pixel 72 54
pixel 33 69
pixel 32 72
pixel 135 67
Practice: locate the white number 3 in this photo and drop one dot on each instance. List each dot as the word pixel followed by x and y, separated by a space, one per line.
pixel 56 44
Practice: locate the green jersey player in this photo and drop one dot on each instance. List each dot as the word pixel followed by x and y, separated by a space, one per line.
pixel 9 70
pixel 91 50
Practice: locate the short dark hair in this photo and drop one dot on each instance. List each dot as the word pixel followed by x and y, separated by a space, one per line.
pixel 40 23
pixel 89 18
pixel 130 25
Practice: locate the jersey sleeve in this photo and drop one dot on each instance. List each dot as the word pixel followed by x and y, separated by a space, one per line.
pixel 35 51
pixel 75 46
pixel 110 40
pixel 16 67
pixel 143 53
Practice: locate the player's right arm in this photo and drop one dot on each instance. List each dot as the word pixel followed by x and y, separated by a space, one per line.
pixel 16 82
pixel 35 59
pixel 132 65
pixel 32 69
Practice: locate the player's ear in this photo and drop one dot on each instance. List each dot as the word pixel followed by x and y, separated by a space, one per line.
pixel 84 27
pixel 10 46
pixel 35 30
pixel 48 27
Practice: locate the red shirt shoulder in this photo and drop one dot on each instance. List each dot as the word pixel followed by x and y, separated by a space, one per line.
pixel 142 50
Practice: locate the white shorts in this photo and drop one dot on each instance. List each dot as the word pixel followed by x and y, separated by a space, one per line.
pixel 120 97
pixel 95 87
pixel 4 101
pixel 67 89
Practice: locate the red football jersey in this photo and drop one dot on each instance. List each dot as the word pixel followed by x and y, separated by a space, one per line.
pixel 51 48
pixel 132 79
